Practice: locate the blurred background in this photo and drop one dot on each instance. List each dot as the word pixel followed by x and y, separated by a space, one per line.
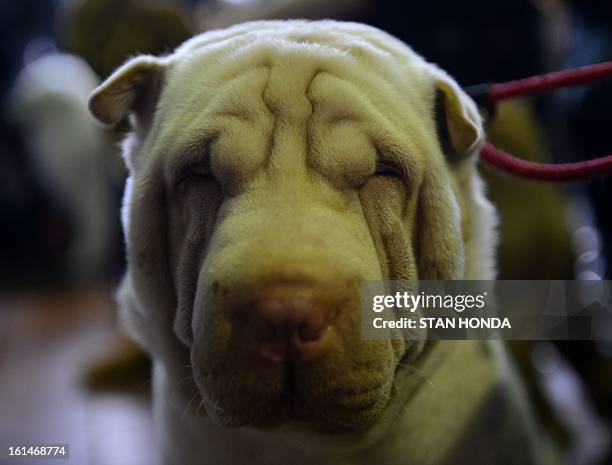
pixel 69 376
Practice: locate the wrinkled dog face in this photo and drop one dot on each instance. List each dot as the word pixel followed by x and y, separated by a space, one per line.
pixel 274 167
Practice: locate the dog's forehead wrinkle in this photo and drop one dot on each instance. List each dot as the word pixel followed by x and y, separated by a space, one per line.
pixel 287 93
pixel 326 32
pixel 271 46
pixel 201 97
pixel 386 113
pixel 276 70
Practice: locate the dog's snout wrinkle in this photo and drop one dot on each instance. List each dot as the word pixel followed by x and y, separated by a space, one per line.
pixel 289 328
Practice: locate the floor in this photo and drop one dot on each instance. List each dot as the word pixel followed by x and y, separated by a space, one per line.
pixel 48 345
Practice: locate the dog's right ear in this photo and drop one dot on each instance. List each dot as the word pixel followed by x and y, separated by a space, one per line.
pixel 133 89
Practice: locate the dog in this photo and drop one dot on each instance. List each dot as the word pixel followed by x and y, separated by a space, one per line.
pixel 49 103
pixel 274 166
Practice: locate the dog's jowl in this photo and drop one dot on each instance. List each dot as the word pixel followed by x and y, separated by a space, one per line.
pixel 274 167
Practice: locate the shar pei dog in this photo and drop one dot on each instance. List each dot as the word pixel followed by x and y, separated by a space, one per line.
pixel 274 166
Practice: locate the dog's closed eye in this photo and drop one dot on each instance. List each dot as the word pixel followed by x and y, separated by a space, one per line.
pixel 194 178
pixel 387 168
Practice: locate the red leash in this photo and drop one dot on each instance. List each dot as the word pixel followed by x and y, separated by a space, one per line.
pixel 491 94
pixel 581 170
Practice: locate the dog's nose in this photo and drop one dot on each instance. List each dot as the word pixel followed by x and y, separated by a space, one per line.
pixel 290 328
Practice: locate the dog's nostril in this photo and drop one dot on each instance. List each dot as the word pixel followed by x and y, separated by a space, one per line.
pixel 262 330
pixel 289 328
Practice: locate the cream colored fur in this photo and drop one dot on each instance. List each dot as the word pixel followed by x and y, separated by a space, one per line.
pixel 253 163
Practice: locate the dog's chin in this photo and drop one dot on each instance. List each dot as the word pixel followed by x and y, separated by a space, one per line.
pixel 287 408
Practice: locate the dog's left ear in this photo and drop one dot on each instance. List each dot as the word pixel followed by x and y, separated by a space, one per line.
pixel 459 124
pixel 132 89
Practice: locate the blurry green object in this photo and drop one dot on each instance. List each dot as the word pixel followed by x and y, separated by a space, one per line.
pixel 106 32
pixel 128 367
pixel 534 235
